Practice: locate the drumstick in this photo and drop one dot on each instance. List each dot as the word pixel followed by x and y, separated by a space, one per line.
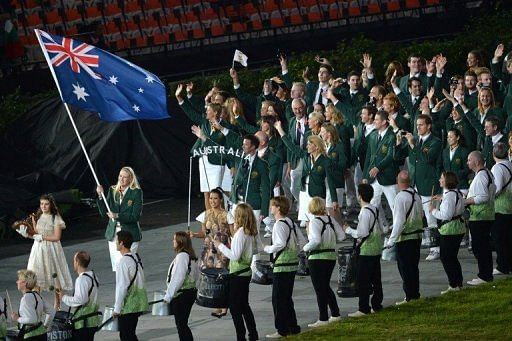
pixel 155 302
pixel 9 300
pixel 110 319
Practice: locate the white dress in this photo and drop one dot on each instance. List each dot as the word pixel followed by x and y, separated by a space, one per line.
pixel 47 258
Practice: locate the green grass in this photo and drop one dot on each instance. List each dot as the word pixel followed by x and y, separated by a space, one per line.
pixel 481 313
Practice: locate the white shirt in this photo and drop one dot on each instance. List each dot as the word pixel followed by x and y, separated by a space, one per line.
pixel 179 271
pixel 449 207
pixel 369 128
pixel 452 152
pixel 241 245
pixel 321 89
pixel 125 271
pixel 81 294
pixel 496 138
pixel 261 151
pixel 302 124
pixel 478 189
pixel 382 133
pixel 403 201
pixel 28 312
pixel 329 237
pixel 280 233
pixel 501 175
pixel 365 222
pixel 202 218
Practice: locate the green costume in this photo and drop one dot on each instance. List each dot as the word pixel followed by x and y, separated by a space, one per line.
pixel 458 164
pixel 253 102
pixel 424 162
pixel 339 163
pixel 380 154
pixel 292 158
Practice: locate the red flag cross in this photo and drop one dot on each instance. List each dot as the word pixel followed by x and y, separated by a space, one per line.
pixel 77 56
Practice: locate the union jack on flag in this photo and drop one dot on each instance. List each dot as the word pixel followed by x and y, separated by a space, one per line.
pixel 101 82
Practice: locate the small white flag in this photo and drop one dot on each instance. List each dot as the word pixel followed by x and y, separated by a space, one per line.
pixel 240 57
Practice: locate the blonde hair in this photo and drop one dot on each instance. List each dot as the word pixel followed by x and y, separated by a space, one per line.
pixel 134 183
pixel 335 137
pixel 337 117
pixel 244 218
pixel 317 206
pixel 29 277
pixel 320 119
pixel 393 101
pixel 318 142
pixel 493 102
pixel 239 109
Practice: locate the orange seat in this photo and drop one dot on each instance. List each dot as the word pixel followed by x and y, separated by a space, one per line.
pixel 33 20
pixel 131 26
pixel 412 4
pixel 153 4
pixel 111 27
pixel 270 6
pixel 72 30
pixel 239 27
pixel 296 19
pixel 276 22
pixel 208 14
pixel 140 41
pixel 393 5
pixel 353 9
pixel 131 6
pixel 180 35
pixel 118 45
pixel 217 30
pixel 112 9
pixel 53 17
pixel 73 15
pixel 314 16
pixel 334 14
pixel 171 19
pixel 373 7
pixel 249 9
pixel 256 24
pixel 198 33
pixel 160 38
pixel 190 17
pixel 31 4
pixel 92 12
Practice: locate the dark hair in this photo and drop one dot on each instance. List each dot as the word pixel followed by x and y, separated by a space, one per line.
pixel 382 114
pixel 53 206
pixel 326 66
pixel 450 180
pixel 184 244
pixel 219 192
pixel 470 73
pixel 372 110
pixel 353 73
pixel 500 150
pixel 413 79
pixel 126 238
pixel 224 94
pixel 381 90
pixel 83 258
pixel 494 120
pixel 462 140
pixel 254 140
pixel 365 191
pixel 413 55
pixel 426 118
pixel 282 202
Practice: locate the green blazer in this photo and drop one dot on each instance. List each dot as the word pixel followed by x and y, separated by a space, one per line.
pixel 412 109
pixel 381 155
pixel 275 167
pixel 276 145
pixel 426 82
pixel 403 123
pixel 353 106
pixel 253 102
pixel 317 172
pixel 292 158
pixel 129 210
pixel 215 135
pixel 360 146
pixel 466 129
pixel 339 163
pixel 345 132
pixel 487 150
pixel 424 164
pixel 474 119
pixel 458 164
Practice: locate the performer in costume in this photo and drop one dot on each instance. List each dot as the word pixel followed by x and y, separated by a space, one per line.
pixel 131 299
pixel 243 246
pixel 84 299
pixel 452 228
pixel 216 224
pixel 181 283
pixel 323 232
pixel 286 240
pixel 47 257
pixel 369 232
pixel 125 202
pixel 32 309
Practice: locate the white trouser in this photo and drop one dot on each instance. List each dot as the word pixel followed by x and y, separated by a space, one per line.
pixel 339 194
pixel 358 176
pixel 431 220
pixel 389 193
pixel 295 176
pixel 350 188
pixel 286 183
pixel 115 255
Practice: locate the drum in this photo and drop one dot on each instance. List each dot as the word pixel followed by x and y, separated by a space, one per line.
pixel 212 291
pixel 347 272
pixel 263 273
pixel 430 238
pixel 388 254
pixel 61 329
pixel 12 334
pixel 303 269
pixel 160 308
pixel 111 326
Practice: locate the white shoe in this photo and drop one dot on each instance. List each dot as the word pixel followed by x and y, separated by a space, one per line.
pixel 401 302
pixel 357 314
pixel 303 223
pixel 497 272
pixel 318 324
pixel 449 290
pixel 275 335
pixel 334 319
pixel 476 281
pixel 433 255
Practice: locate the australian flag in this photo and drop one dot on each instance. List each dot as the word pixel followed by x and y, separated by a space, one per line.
pixel 98 81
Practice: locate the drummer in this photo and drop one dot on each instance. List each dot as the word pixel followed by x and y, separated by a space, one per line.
pixel 131 298
pixel 286 239
pixel 84 299
pixel 32 309
pixel 181 283
pixel 369 233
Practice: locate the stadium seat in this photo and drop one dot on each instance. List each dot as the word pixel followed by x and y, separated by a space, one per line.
pixel 296 19
pixel 270 6
pixel 53 17
pixel 374 7
pixel 153 4
pixel 132 6
pixel 353 9
pixel 314 16
pixel 72 15
pixel 112 9
pixel 216 30
pixel 238 27
pixel 393 5
pixel 71 30
pixel 255 25
pixel 177 36
pixel 198 33
pixel 33 20
pixel 160 38
pixel 92 12
pixel 412 4
pixel 276 22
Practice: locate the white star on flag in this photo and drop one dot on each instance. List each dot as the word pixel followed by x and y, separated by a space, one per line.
pixel 79 92
pixel 150 79
pixel 113 79
pixel 141 90
pixel 136 108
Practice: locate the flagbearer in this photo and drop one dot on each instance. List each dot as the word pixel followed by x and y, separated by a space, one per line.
pixel 131 298
pixel 84 299
pixel 125 202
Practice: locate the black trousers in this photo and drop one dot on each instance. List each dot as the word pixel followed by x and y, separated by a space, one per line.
pixel 285 319
pixel 450 245
pixel 501 234
pixel 320 271
pixel 368 278
pixel 240 309
pixel 481 243
pixel 84 334
pixel 181 307
pixel 127 326
pixel 408 258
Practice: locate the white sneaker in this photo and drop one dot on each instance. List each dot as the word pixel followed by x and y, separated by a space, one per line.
pixel 303 223
pixel 334 319
pixel 476 281
pixel 318 324
pixel 433 255
pixel 357 314
pixel 449 290
pixel 497 272
pixel 401 302
pixel 275 335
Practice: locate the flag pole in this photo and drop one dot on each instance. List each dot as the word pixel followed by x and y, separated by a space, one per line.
pixel 48 61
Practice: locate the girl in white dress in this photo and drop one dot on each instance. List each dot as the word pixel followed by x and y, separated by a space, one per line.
pixel 47 257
